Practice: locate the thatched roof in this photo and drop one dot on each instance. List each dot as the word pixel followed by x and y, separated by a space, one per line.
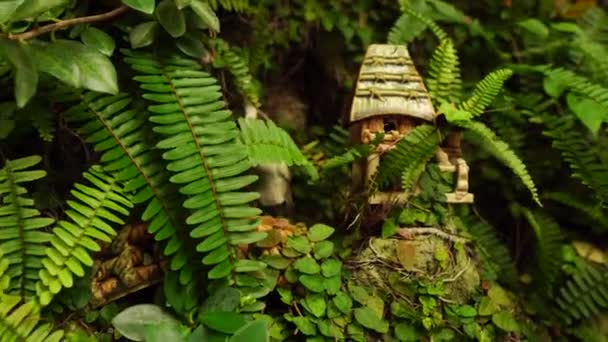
pixel 390 84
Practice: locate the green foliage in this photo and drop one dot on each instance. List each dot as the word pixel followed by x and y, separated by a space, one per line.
pixel 408 155
pixel 23 239
pixel 236 65
pixel 583 296
pixel 267 143
pixel 443 79
pixel 118 130
pixel 502 152
pixel 204 154
pixel 92 212
pixel 23 322
pixel 485 92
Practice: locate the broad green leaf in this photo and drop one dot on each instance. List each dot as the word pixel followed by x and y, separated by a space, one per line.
pixel 206 13
pixel 316 304
pixel 34 8
pixel 499 296
pixel 254 331
pixel 553 87
pixel 369 319
pixel 505 321
pixel 6 127
pixel 191 46
pixel 276 261
pixel 307 265
pixel 249 266
pixel 567 27
pixel 591 113
pixel 359 294
pixel 406 332
pixel 26 74
pixel 132 321
pixel 143 34
pixel 225 322
pixel 58 62
pixel 98 40
pixel 96 71
pixel 7 8
pixel 171 18
pixel 165 332
pixel 146 6
pixel 535 26
pixel 224 299
pixel 319 232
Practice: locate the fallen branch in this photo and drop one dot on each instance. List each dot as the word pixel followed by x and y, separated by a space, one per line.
pixel 64 24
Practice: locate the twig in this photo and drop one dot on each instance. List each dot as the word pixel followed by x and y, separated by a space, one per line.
pixel 408 232
pixel 64 24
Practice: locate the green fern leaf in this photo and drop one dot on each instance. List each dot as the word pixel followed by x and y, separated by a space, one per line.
pixel 240 71
pixel 204 153
pixel 443 79
pixel 485 91
pixel 92 212
pixel 502 152
pixel 583 296
pixel 21 237
pixel 580 154
pixel 495 257
pixel 5 280
pixel 594 212
pixel 549 241
pixel 120 133
pixel 267 143
pixel 433 27
pixel 409 153
pixel 22 322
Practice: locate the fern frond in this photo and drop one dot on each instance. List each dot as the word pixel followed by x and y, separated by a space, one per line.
pixel 410 152
pixel 266 143
pixel 580 154
pixel 351 155
pixel 5 280
pixel 205 155
pixel 21 237
pixel 237 66
pixel 573 81
pixel 405 30
pixel 93 210
pixel 495 257
pixel 549 242
pixel 591 210
pixel 433 27
pixel 485 91
pixel 119 132
pixel 500 150
pixel 583 296
pixel 22 322
pixel 443 81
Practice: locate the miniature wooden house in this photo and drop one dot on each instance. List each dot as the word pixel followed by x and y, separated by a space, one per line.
pixel 391 98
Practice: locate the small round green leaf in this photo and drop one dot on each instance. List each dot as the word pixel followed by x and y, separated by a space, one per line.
pixel 505 321
pixel 307 265
pixel 369 319
pixel 319 232
pixel 331 267
pixel 316 304
pixel 206 13
pixel 343 302
pixel 323 249
pixel 299 243
pixel 312 282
